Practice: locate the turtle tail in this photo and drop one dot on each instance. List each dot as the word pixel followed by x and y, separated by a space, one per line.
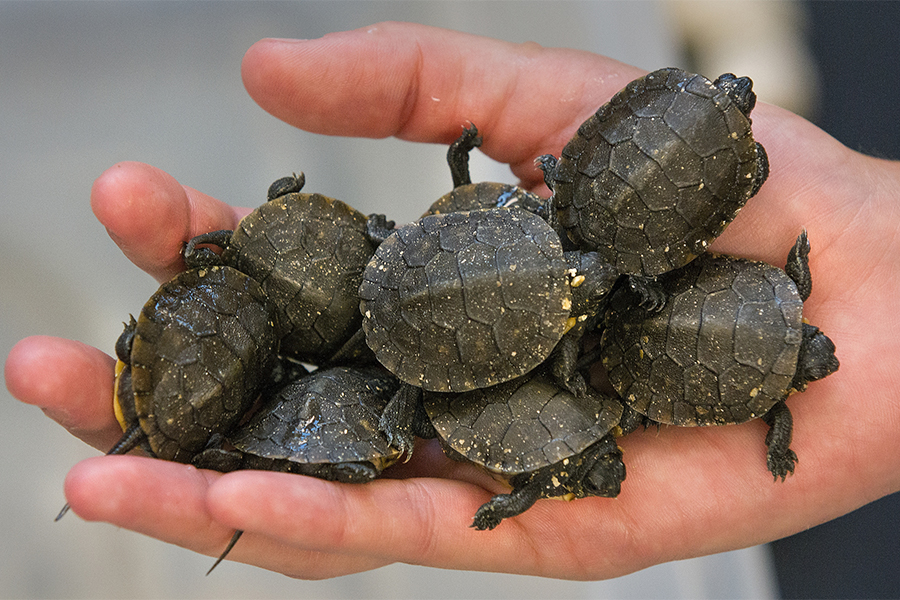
pixel 234 539
pixel 133 436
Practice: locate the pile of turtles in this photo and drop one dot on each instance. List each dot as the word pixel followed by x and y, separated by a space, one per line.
pixel 317 340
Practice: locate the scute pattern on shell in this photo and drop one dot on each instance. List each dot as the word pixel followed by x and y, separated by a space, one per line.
pixel 308 252
pixel 521 425
pixel 203 345
pixel 328 417
pixel 467 299
pixel 656 173
pixel 723 350
pixel 486 194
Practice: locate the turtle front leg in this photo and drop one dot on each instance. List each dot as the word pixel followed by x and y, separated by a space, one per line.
pixel 378 228
pixel 780 458
pixel 651 296
pixel 565 362
pixel 397 419
pixel 547 164
pixel 503 506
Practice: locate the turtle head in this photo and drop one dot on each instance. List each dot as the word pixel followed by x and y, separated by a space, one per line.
pixel 606 476
pixel 739 89
pixel 816 359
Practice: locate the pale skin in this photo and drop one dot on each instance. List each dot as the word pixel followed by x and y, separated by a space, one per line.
pixel 689 491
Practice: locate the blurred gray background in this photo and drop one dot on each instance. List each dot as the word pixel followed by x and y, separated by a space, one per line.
pixel 86 85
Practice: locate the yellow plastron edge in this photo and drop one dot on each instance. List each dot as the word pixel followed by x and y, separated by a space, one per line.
pixel 120 366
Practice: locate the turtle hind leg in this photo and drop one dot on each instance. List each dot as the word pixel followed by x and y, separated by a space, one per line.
pixel 762 169
pixel 286 185
pixel 780 459
pixel 503 506
pixel 196 256
pixel 458 155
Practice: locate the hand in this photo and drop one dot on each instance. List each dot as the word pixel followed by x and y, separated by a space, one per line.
pixel 689 491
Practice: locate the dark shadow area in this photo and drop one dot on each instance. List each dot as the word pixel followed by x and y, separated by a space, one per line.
pixel 856 47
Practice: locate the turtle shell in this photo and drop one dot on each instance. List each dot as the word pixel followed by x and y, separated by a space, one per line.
pixel 308 252
pixel 658 172
pixel 522 425
pixel 723 350
pixel 203 345
pixel 486 194
pixel 326 418
pixel 463 300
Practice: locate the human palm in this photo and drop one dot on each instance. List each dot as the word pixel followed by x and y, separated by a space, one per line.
pixel 689 491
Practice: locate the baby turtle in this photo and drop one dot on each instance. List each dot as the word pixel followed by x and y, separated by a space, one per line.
pixel 308 252
pixel 730 345
pixel 464 300
pixel 324 424
pixel 659 171
pixel 193 362
pixel 486 194
pixel 541 439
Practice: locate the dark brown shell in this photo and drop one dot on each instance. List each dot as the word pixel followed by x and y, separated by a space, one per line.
pixel 328 417
pixel 466 299
pixel 308 252
pixel 203 345
pixel 723 350
pixel 658 172
pixel 522 425
pixel 486 194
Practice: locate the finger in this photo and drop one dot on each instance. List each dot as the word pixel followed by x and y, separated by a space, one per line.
pixel 70 381
pixel 689 492
pixel 422 84
pixel 150 215
pixel 167 501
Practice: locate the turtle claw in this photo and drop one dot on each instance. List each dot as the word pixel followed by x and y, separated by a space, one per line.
pixel 576 385
pixel 781 465
pixel 651 296
pixel 485 519
pixel 397 436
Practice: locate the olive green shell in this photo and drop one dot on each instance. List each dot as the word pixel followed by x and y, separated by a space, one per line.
pixel 328 417
pixel 486 194
pixel 466 299
pixel 657 173
pixel 522 425
pixel 203 345
pixel 308 252
pixel 723 350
